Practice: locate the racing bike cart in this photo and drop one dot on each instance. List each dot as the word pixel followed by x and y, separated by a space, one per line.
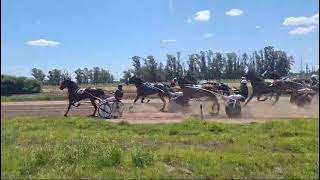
pixel 233 105
pixel 110 108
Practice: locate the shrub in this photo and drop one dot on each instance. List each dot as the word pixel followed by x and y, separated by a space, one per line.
pixel 110 156
pixel 18 85
pixel 142 157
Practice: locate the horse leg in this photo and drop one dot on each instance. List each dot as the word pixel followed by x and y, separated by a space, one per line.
pixel 143 98
pixel 277 99
pixel 135 100
pixel 258 98
pixel 95 107
pixel 251 96
pixel 164 102
pixel 66 114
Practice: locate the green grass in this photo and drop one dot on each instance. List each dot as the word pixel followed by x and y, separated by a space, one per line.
pixel 92 148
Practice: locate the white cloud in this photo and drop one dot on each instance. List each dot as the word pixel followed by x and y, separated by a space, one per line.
pixel 307 24
pixel 234 12
pixel 169 41
pixel 207 35
pixel 43 42
pixel 203 15
pixel 302 30
pixel 298 21
pixel 258 27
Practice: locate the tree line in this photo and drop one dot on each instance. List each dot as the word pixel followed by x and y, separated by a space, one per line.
pixel 211 65
pixel 83 76
pixel 207 65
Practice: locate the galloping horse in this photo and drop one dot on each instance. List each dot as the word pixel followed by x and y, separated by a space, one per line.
pixel 76 94
pixel 260 88
pixel 278 87
pixel 145 89
pixel 190 91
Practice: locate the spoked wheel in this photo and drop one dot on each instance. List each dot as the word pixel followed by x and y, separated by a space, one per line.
pixel 104 110
pixel 233 109
pixel 117 109
pixel 215 108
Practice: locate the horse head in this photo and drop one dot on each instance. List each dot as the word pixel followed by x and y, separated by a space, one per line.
pixel 67 83
pixel 134 80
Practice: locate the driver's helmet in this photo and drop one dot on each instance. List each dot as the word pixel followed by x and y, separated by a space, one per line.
pixel 243 81
pixel 120 86
pixel 243 78
pixel 314 77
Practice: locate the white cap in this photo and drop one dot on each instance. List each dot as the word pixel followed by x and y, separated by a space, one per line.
pixel 244 81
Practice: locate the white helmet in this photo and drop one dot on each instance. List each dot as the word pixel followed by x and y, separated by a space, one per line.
pixel 314 76
pixel 244 81
pixel 243 78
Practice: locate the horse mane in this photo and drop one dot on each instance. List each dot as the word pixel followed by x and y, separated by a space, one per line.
pixel 71 82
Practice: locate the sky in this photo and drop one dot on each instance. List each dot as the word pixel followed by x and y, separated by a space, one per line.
pixel 107 33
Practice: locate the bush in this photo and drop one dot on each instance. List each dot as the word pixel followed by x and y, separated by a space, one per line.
pixel 142 157
pixel 18 85
pixel 110 156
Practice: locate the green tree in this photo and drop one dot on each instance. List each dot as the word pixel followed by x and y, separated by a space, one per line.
pixel 54 77
pixel 126 75
pixel 137 65
pixel 80 76
pixel 38 74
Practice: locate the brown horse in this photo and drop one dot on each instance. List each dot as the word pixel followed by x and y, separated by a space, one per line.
pixel 278 87
pixel 76 94
pixel 190 91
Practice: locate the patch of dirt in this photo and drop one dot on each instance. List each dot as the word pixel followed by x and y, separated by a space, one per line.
pixel 150 112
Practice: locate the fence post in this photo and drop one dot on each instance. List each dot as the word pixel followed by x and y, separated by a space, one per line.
pixel 201 112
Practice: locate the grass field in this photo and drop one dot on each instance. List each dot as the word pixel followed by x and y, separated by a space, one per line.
pixel 54 93
pixel 90 148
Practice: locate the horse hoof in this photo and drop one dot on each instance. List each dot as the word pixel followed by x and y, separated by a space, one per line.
pixel 65 115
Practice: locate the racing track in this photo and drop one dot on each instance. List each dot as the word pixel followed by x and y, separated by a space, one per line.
pixel 149 112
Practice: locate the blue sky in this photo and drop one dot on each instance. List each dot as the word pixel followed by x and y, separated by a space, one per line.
pixel 107 33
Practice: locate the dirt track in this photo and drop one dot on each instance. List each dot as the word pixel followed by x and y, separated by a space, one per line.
pixel 149 112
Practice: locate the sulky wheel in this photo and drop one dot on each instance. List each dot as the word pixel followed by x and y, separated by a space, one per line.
pixel 104 110
pixel 302 100
pixel 233 109
pixel 117 109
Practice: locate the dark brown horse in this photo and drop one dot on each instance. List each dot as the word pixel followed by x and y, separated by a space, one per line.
pixel 190 91
pixel 278 87
pixel 145 89
pixel 76 94
pixel 261 88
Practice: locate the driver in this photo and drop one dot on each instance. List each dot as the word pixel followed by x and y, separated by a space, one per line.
pixel 117 95
pixel 314 80
pixel 173 82
pixel 244 88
